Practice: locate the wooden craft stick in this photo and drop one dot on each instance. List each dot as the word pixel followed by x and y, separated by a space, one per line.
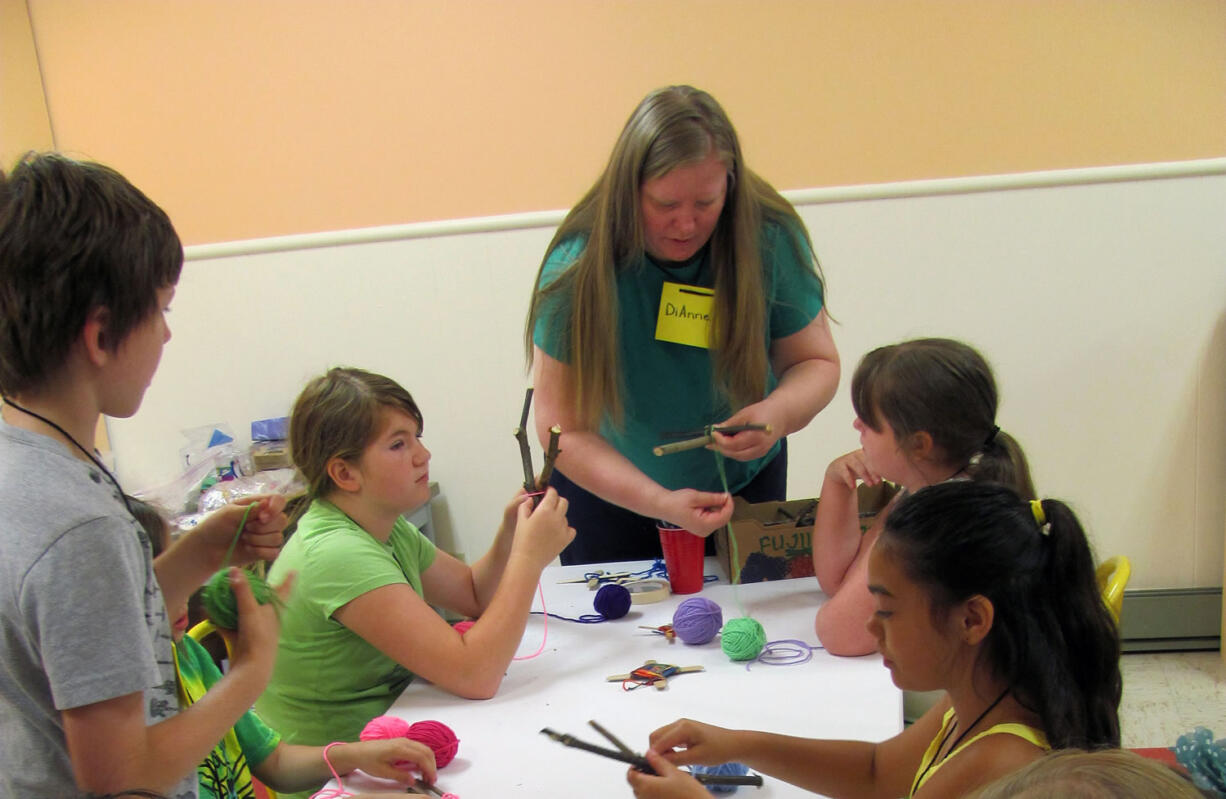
pixel 613 739
pixel 641 763
pixel 703 440
pixel 525 453
pixel 551 457
pixel 421 784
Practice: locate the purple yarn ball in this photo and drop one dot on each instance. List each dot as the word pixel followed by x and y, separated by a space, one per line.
pixel 612 601
pixel 697 620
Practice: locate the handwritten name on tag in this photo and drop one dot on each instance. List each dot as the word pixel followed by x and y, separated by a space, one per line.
pixel 685 315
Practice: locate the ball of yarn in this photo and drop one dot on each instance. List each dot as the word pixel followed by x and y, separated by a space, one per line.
pixel 612 601
pixel 434 734
pixel 742 639
pixel 463 626
pixel 383 728
pixel 439 737
pixel 697 619
pixel 723 769
pixel 219 602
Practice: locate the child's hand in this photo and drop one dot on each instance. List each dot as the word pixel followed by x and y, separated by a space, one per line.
pixel 510 514
pixel 254 644
pixel 262 534
pixel 541 533
pixel 393 759
pixel 847 469
pixel 672 783
pixel 702 744
pixel 700 512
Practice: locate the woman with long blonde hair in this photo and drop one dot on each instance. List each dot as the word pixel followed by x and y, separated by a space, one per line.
pixel 681 292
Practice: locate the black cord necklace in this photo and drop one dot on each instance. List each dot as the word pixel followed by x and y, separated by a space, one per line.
pixel 958 740
pixel 93 459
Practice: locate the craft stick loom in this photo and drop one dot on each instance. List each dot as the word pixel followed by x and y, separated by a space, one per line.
pixel 533 484
pixel 701 437
pixel 626 755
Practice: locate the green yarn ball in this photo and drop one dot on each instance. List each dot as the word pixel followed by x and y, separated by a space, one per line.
pixel 220 604
pixel 742 639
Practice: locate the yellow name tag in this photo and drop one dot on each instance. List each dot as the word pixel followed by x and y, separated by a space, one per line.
pixel 685 315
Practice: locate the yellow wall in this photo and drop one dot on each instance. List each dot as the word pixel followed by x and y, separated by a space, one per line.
pixel 286 116
pixel 24 124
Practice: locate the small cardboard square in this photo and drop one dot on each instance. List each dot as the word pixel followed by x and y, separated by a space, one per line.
pixel 774 540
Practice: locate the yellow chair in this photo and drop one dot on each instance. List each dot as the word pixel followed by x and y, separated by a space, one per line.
pixel 1113 574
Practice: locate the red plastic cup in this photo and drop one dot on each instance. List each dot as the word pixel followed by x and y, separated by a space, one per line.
pixel 683 557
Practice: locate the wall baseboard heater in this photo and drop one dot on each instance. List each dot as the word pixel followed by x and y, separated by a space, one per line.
pixel 1171 620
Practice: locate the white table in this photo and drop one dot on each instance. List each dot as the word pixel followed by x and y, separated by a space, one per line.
pixel 503 753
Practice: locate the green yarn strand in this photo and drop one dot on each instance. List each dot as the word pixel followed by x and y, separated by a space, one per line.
pixel 220 604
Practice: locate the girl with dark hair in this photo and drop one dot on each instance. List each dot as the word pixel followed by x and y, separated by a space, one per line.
pixel 979 593
pixel 926 412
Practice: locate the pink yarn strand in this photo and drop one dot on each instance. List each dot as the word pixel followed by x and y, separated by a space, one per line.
pixel 339 791
pixel 544 630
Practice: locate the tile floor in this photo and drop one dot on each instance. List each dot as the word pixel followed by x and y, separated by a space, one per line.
pixel 1169 693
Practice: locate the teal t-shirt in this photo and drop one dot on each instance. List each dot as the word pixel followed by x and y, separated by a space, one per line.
pixel 328 681
pixel 668 386
pixel 226 772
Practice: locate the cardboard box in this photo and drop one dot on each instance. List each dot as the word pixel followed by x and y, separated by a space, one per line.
pixel 774 540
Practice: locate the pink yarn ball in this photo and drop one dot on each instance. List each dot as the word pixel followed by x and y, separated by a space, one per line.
pixel 439 737
pixel 463 626
pixel 382 728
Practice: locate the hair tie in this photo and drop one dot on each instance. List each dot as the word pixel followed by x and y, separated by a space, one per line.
pixel 1040 518
pixel 987 442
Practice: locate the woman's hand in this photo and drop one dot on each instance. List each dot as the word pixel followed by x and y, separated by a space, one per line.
pixel 699 512
pixel 847 470
pixel 669 782
pixel 749 444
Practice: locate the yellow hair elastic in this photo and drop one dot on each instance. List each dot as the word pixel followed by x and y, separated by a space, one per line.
pixel 1036 507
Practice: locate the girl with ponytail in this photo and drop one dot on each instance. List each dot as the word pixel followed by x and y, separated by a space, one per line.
pixel 977 592
pixel 926 413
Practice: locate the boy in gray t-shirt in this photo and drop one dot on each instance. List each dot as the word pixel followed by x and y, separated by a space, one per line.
pixel 88 700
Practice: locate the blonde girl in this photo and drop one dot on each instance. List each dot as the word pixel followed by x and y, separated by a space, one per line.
pixel 359 624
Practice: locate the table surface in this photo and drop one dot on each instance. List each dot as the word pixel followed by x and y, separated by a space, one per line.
pixel 502 751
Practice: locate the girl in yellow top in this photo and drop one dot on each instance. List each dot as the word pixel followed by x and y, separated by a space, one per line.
pixel 982 594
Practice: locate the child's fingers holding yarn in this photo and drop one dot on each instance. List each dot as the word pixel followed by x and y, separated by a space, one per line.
pixel 668 782
pixel 263 528
pixel 396 759
pixel 686 742
pixel 543 532
pixel 258 624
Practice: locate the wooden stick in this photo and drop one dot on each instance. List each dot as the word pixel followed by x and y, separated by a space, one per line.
pixel 613 739
pixel 551 457
pixel 641 763
pixel 525 453
pixel 423 785
pixel 703 440
pixel 730 430
pixel 682 446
